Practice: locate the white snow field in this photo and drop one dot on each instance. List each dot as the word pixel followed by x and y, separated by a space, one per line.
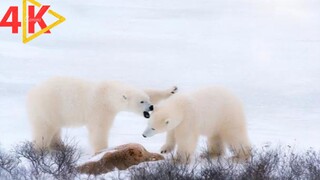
pixel 267 52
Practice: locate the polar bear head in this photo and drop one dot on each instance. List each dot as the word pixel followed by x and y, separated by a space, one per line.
pixel 169 114
pixel 164 118
pixel 138 102
pixel 122 97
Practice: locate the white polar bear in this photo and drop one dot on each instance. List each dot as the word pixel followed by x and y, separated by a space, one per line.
pixel 213 112
pixel 69 102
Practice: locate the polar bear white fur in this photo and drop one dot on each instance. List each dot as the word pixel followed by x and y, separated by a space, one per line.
pixel 70 102
pixel 213 112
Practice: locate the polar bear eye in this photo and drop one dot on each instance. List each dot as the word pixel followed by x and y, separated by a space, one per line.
pixel 141 102
pixel 153 129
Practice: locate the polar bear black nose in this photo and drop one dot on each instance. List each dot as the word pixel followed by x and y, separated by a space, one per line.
pixel 151 108
pixel 146 114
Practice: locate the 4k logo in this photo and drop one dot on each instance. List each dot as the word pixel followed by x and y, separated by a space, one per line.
pixel 29 19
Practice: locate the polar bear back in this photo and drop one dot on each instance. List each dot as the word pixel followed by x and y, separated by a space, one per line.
pixel 209 109
pixel 217 109
pixel 60 101
pixel 67 102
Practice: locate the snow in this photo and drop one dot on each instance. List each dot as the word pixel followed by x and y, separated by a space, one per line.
pixel 267 52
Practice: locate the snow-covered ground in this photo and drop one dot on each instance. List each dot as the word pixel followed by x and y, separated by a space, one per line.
pixel 267 52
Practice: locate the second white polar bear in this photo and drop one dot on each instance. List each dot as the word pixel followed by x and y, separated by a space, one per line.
pixel 213 112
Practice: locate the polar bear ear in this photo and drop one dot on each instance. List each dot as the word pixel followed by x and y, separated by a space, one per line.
pixel 124 97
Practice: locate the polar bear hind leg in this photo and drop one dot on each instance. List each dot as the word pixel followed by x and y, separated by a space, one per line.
pixel 240 147
pixel 216 147
pixel 186 147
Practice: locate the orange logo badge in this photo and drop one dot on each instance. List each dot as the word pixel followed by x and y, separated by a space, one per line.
pixel 29 19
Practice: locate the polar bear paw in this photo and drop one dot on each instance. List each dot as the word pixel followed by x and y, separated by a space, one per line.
pixel 167 148
pixel 174 89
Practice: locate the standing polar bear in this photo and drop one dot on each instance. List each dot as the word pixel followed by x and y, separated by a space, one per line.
pixel 69 102
pixel 212 112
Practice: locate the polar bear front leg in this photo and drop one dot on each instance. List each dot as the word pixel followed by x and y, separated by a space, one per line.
pixel 170 143
pixel 56 141
pixel 159 95
pixel 173 90
pixel 98 136
pixel 216 147
pixel 42 134
pixel 186 147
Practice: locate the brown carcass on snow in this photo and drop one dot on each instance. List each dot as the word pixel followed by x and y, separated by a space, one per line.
pixel 120 157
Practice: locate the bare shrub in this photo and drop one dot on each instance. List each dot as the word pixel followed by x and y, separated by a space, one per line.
pixel 26 163
pixel 9 167
pixel 167 169
pixel 272 163
pixel 262 165
pixel 42 163
pixel 312 164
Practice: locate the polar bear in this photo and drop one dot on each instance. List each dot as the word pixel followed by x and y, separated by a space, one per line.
pixel 70 102
pixel 213 112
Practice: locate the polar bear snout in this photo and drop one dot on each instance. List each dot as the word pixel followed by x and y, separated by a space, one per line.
pixel 148 132
pixel 147 108
pixel 146 114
